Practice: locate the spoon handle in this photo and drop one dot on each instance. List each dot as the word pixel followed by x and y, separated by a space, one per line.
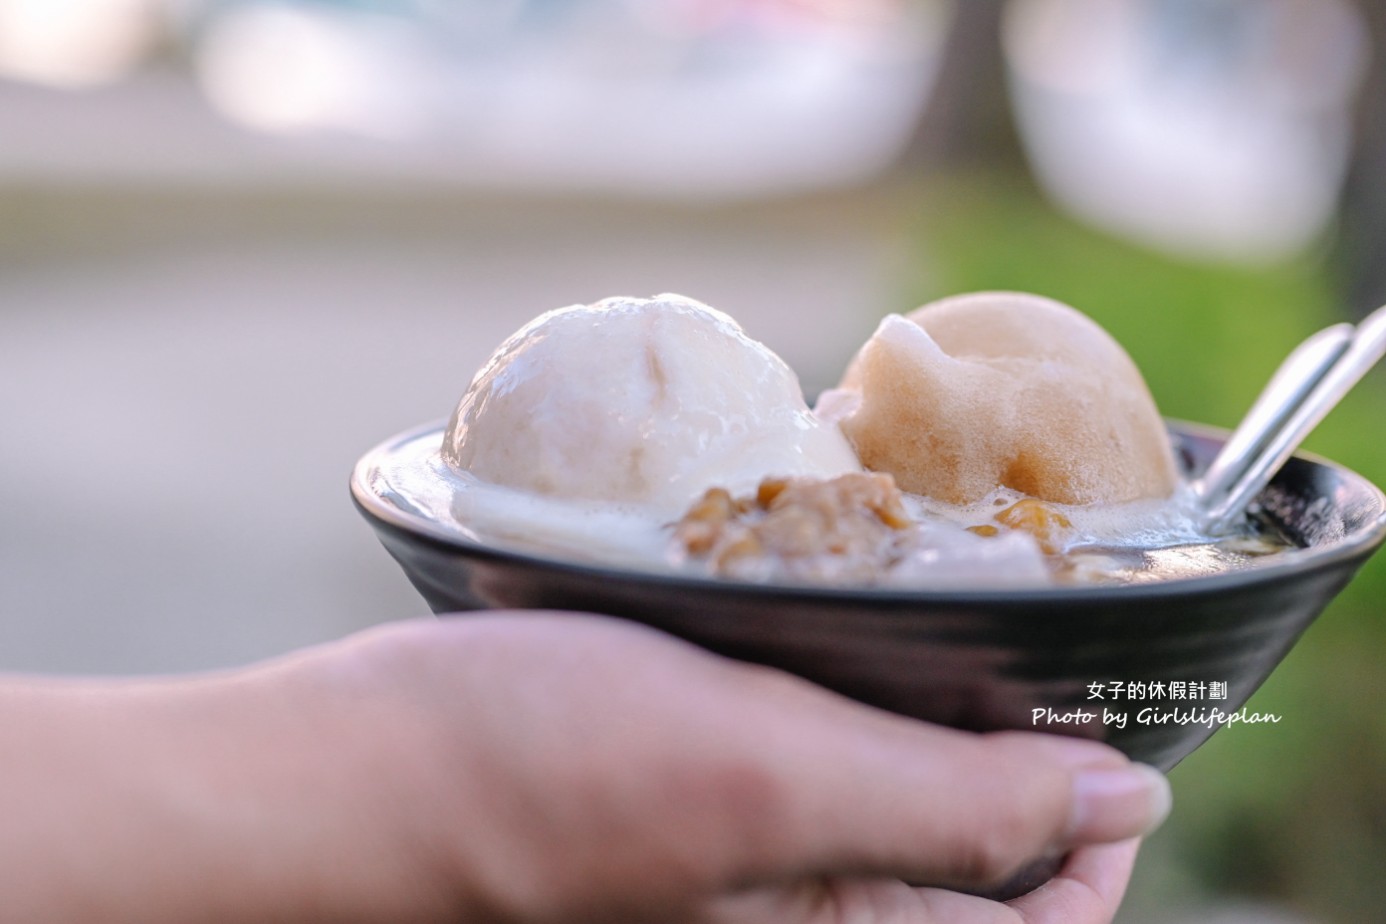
pixel 1367 346
pixel 1292 383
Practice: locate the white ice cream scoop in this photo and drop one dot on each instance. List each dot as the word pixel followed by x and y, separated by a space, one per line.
pixel 638 401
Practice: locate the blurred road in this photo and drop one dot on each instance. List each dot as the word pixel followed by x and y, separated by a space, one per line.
pixel 186 380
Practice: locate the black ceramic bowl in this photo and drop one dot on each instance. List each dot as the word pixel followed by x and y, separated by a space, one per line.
pixel 981 659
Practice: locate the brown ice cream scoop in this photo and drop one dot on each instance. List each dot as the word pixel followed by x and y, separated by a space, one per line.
pixel 1003 389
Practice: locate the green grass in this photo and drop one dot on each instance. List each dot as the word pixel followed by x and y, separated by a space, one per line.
pixel 1295 811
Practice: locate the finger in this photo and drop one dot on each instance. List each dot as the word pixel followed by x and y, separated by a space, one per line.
pixel 858 791
pixel 856 901
pixel 1088 889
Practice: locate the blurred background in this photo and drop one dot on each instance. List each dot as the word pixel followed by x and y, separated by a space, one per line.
pixel 241 242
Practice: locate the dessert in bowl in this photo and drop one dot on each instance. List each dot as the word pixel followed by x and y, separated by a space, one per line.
pixel 985 526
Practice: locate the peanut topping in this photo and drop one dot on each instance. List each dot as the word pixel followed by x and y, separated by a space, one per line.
pixel 1038 519
pixel 843 527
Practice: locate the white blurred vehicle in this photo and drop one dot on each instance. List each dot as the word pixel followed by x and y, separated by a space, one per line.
pixel 1216 129
pixel 666 97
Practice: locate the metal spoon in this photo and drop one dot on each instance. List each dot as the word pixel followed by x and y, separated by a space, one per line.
pixel 1309 384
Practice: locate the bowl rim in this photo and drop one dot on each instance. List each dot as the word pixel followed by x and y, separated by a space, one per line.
pixel 1295 562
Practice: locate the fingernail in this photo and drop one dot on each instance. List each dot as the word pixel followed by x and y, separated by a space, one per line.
pixel 1112 804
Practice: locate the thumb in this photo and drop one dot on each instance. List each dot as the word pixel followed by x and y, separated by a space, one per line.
pixel 863 792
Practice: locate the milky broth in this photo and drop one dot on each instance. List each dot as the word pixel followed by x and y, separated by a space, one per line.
pixel 1138 542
